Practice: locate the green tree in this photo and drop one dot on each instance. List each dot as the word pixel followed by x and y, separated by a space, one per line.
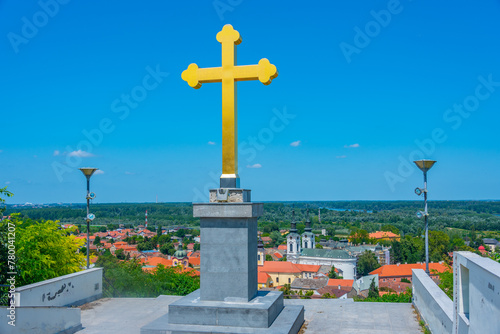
pixel 286 291
pixel 167 249
pixel 367 262
pixel 446 281
pixel 439 243
pixel 318 246
pixel 332 273
pixel 328 296
pixel 306 295
pixel 145 245
pixel 97 240
pixel 276 237
pixel 269 257
pixel 373 290
pixel 4 193
pixel 181 233
pixel 120 254
pixel 390 228
pixel 44 251
pixel 127 279
pixel 359 236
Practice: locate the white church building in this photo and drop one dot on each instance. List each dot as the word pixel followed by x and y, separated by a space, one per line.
pixel 305 252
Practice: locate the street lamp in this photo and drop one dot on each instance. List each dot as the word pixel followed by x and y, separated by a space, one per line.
pixel 88 171
pixel 424 166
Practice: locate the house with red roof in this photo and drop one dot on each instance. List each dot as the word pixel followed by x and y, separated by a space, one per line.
pixel 284 272
pixel 264 280
pixel 266 240
pixel 384 235
pixel 397 272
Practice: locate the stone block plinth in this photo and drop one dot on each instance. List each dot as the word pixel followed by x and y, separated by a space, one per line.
pixel 259 312
pixel 228 268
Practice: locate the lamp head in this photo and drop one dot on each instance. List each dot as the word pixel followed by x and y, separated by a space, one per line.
pixel 424 165
pixel 88 171
pixel 419 191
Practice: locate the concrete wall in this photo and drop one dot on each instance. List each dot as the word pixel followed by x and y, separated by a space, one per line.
pixel 432 303
pixel 476 294
pixel 68 290
pixel 41 320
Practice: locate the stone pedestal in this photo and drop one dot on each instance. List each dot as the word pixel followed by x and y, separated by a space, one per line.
pixel 228 300
pixel 228 268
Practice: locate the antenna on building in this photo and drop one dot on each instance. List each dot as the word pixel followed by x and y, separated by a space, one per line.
pixel 319 215
pixel 146 218
pixel 156 199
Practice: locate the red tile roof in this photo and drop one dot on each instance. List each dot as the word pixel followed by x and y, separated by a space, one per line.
pixel 262 277
pixel 334 290
pixel 278 255
pixel 287 267
pixel 282 247
pixel 346 283
pixel 383 234
pixel 309 267
pixel 390 270
pixel 279 267
pixel 398 287
pixel 154 261
pixel 195 261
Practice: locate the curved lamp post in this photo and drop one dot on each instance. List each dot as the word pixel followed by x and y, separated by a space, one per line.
pixel 88 171
pixel 424 166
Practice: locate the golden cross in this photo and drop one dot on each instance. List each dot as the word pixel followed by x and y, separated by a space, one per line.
pixel 228 74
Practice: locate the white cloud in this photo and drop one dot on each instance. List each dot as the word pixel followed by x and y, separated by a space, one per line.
pixel 211 143
pixel 81 154
pixel 352 146
pixel 56 153
pixel 7 182
pixel 129 173
pixel 254 166
pixel 295 143
pixel 99 172
pixel 341 157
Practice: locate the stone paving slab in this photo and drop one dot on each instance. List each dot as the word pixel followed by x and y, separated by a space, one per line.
pixel 128 315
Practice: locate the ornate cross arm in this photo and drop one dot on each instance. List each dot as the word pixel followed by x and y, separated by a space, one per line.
pixel 196 76
pixel 265 72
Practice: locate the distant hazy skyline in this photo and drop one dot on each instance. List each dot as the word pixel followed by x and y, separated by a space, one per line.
pixel 364 88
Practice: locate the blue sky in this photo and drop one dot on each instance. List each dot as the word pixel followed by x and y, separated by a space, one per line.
pixel 364 88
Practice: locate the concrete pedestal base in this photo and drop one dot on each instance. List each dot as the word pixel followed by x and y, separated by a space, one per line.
pixel 263 314
pixel 259 312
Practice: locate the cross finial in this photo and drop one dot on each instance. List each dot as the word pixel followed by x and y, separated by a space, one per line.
pixel 229 73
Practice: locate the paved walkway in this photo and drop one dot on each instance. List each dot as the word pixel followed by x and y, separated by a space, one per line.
pixel 128 315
